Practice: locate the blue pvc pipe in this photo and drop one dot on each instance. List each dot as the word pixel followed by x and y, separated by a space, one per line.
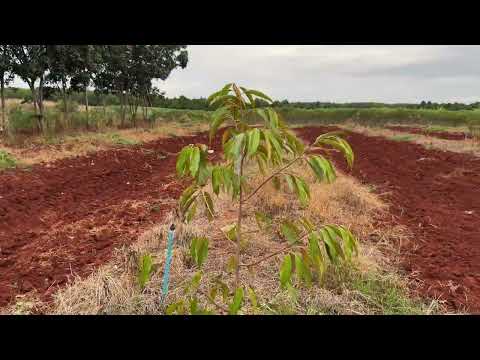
pixel 168 261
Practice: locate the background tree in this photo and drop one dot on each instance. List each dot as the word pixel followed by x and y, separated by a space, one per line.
pixel 128 70
pixel 30 63
pixel 6 76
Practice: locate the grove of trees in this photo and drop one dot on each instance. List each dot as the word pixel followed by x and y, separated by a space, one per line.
pixel 126 71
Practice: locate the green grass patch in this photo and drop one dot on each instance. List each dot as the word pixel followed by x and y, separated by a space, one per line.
pixel 402 138
pixel 116 139
pixel 7 161
pixel 436 129
pixel 384 295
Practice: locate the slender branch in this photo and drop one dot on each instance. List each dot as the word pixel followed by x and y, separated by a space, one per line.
pixel 272 176
pixel 268 256
pixel 288 247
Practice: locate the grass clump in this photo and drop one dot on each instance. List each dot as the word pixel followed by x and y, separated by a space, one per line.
pixel 7 161
pixel 119 140
pixel 402 138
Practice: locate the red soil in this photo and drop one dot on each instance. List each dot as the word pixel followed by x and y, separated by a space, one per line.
pixel 437 134
pixel 436 194
pixel 65 218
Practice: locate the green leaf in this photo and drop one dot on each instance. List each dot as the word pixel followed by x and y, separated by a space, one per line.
pixel 194 161
pixel 290 232
pixel 253 297
pixel 329 246
pixel 192 210
pixel 302 269
pixel 208 205
pixel 291 182
pixel 303 192
pixel 201 251
pixel 193 305
pixel 286 270
pixel 186 197
pixel 217 179
pixel 249 96
pixel 260 95
pixel 195 282
pixel 307 224
pixel 230 232
pixel 170 310
pixel 218 117
pixel 193 249
pixel 237 302
pixel 274 122
pixel 182 160
pixel 253 140
pixel 234 147
pixel 335 242
pixel 322 168
pixel 338 143
pixel 299 267
pixel 224 91
pixel 145 270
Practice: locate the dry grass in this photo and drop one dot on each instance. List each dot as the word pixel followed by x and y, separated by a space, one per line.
pixel 467 146
pixel 113 288
pixel 38 149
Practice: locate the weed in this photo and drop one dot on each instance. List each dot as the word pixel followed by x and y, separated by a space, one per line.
pixel 7 161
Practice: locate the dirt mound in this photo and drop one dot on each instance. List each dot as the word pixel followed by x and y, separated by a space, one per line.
pixel 66 217
pixel 437 134
pixel 436 195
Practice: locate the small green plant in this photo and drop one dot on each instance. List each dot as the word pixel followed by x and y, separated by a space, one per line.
pixel 145 270
pixel 274 149
pixel 199 250
pixel 433 129
pixel 7 161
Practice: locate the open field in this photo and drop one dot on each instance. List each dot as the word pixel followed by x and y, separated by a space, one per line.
pixel 64 218
pixel 431 193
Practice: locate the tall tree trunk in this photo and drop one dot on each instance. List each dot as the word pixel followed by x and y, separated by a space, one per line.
pixel 31 84
pixel 122 108
pixel 40 104
pixel 86 105
pixel 64 94
pixel 2 88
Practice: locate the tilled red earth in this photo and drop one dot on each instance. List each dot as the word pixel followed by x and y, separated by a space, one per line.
pixel 436 195
pixel 65 218
pixel 437 134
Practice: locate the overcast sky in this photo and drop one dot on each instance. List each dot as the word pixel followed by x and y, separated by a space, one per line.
pixel 333 73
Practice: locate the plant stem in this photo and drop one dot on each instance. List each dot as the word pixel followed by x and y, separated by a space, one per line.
pixel 239 225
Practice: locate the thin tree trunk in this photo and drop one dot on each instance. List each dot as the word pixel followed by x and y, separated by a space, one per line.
pixel 31 84
pixel 2 89
pixel 239 226
pixel 86 105
pixel 122 104
pixel 64 93
pixel 40 104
